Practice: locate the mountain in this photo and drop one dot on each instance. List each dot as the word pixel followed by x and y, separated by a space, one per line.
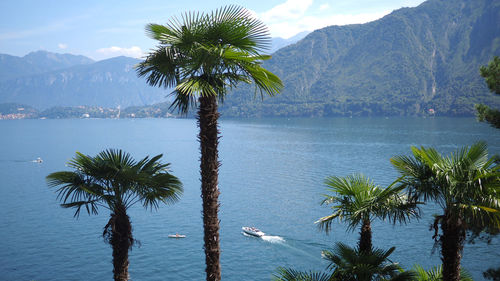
pixel 278 42
pixel 109 83
pixel 410 62
pixel 36 63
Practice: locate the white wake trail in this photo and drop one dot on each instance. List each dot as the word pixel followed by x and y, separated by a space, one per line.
pixel 273 239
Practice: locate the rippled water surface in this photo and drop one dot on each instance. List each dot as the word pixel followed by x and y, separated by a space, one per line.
pixel 271 177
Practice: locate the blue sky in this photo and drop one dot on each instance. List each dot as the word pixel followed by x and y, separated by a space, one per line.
pixel 104 29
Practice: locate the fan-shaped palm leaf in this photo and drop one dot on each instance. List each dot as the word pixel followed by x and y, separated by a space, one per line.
pixel 465 184
pixel 356 200
pixel 436 274
pixel 115 181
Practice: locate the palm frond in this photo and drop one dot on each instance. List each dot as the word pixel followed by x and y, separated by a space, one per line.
pixel 356 198
pixel 436 274
pixel 465 184
pixel 288 274
pixel 208 54
pixel 352 264
pixel 114 179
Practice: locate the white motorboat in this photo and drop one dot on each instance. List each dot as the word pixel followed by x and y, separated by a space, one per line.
pixel 177 236
pixel 253 231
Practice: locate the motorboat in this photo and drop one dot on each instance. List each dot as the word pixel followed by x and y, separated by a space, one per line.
pixel 252 231
pixel 177 236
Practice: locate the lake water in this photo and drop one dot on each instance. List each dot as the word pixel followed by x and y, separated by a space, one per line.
pixel 271 177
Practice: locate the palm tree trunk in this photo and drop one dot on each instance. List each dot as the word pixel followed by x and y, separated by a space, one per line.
pixel 209 169
pixel 365 239
pixel 121 241
pixel 452 244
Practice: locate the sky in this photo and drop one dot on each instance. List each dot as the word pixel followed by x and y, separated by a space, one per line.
pixel 108 28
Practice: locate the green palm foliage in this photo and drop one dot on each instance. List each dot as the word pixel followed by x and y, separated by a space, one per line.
pixel 113 180
pixel 351 264
pixel 466 184
pixel 436 274
pixel 289 274
pixel 356 200
pixel 204 56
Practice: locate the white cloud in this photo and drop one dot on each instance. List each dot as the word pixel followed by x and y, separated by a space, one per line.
pixel 290 10
pixel 114 51
pixel 324 7
pixel 62 46
pixel 294 16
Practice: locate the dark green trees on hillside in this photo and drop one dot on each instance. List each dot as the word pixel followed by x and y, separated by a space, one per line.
pixel 114 181
pixel 203 56
pixel 491 74
pixel 465 185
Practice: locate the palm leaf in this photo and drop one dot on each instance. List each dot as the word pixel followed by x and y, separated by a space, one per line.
pixel 288 274
pixel 208 54
pixel 112 179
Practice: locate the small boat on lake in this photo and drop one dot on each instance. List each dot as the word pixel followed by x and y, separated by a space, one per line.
pixel 252 231
pixel 177 236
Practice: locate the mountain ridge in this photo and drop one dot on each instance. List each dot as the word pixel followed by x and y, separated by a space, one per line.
pixel 414 61
pixel 406 63
pixel 109 83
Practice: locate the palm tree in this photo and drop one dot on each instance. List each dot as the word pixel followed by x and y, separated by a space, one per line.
pixel 204 56
pixel 436 274
pixel 465 185
pixel 351 264
pixel 357 201
pixel 115 181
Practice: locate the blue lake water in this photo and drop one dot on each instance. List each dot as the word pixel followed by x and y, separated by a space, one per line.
pixel 271 177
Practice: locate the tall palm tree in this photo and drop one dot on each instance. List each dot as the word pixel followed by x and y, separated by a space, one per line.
pixel 204 56
pixel 465 185
pixel 115 181
pixel 357 201
pixel 351 264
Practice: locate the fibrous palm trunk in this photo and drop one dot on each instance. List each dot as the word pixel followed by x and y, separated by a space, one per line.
pixel 365 239
pixel 209 169
pixel 119 230
pixel 452 244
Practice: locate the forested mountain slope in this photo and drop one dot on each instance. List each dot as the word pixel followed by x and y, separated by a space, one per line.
pixel 406 63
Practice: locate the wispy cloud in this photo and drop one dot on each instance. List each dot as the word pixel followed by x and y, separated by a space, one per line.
pixel 56 26
pixel 62 46
pixel 324 7
pixel 20 34
pixel 290 10
pixel 114 51
pixel 294 16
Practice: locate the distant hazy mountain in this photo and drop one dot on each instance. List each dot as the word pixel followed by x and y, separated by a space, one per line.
pixel 411 62
pixel 107 83
pixel 278 42
pixel 408 62
pixel 36 63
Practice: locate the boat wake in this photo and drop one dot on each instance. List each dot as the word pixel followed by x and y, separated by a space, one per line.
pixel 267 238
pixel 273 239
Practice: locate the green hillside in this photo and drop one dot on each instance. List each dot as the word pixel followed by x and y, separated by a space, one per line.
pixel 406 63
